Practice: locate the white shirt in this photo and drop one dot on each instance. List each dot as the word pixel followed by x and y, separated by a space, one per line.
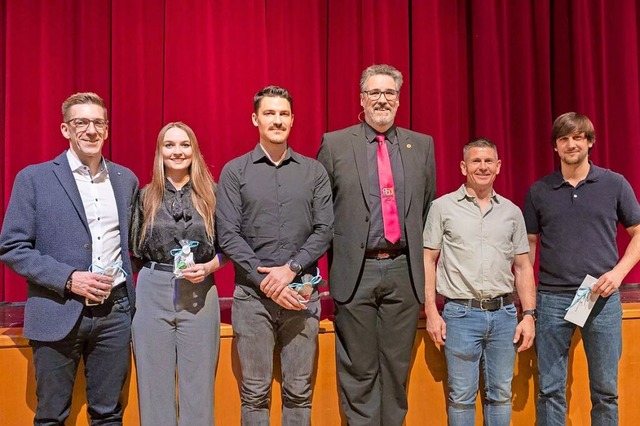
pixel 102 215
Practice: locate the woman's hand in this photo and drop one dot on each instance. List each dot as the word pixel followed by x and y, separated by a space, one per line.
pixel 197 273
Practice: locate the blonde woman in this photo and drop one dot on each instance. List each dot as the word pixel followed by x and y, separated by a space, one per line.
pixel 176 327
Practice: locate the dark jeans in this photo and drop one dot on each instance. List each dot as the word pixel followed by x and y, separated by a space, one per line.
pixel 375 332
pixel 602 339
pixel 259 325
pixel 101 337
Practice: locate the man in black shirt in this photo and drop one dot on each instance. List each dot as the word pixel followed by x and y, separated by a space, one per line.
pixel 274 220
pixel 575 212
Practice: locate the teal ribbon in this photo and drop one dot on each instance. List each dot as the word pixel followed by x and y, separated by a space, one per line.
pixel 174 252
pixel 97 269
pixel 313 281
pixel 580 295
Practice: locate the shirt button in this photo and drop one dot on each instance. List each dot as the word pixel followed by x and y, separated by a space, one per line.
pixel 575 195
pixel 98 238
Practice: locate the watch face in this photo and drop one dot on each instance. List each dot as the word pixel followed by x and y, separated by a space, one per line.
pixel 295 266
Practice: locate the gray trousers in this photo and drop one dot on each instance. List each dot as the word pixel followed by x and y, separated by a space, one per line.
pixel 176 339
pixel 375 332
pixel 261 325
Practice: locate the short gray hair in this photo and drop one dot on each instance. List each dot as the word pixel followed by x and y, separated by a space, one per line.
pixel 478 143
pixel 382 69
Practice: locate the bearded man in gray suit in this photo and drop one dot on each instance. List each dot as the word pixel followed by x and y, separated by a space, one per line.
pixel 383 180
pixel 66 232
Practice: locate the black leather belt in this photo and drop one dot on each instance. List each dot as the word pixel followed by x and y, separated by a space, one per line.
pixel 383 254
pixel 486 304
pixel 165 267
pixel 117 293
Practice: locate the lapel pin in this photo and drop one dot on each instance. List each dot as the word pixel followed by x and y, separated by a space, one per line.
pixel 408 145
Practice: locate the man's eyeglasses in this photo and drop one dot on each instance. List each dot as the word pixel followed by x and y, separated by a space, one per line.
pixel 374 95
pixel 81 124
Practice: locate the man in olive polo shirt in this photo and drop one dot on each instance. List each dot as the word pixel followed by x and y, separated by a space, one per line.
pixel 476 237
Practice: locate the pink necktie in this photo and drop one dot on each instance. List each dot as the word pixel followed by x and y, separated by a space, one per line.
pixel 387 193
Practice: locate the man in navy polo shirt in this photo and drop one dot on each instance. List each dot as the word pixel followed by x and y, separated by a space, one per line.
pixel 575 211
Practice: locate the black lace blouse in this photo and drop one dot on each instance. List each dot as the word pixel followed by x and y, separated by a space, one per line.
pixel 177 219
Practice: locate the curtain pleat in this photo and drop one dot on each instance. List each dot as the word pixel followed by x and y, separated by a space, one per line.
pixel 492 68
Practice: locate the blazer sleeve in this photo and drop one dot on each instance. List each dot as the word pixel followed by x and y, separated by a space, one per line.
pixel 18 238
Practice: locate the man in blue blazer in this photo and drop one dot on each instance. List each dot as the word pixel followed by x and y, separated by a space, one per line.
pixel 383 180
pixel 66 231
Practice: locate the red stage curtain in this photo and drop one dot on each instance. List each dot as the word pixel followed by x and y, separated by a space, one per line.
pixel 492 68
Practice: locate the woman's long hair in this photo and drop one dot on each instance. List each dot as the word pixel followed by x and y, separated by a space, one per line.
pixel 202 184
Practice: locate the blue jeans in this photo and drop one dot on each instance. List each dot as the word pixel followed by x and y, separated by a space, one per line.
pixel 259 325
pixel 602 339
pixel 475 336
pixel 101 337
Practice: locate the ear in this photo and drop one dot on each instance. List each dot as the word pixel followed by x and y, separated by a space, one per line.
pixel 498 164
pixel 463 168
pixel 254 119
pixel 362 100
pixel 291 124
pixel 64 129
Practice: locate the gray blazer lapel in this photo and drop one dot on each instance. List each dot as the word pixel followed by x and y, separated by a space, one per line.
pixel 362 163
pixel 63 172
pixel 408 157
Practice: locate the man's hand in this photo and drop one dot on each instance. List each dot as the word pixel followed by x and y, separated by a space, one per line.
pixel 288 299
pixel 607 284
pixel 437 328
pixel 526 330
pixel 94 287
pixel 277 279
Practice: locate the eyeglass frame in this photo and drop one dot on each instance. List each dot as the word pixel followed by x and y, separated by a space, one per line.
pixel 382 92
pixel 97 127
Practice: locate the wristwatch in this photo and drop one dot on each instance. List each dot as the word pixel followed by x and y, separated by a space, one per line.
pixel 295 266
pixel 532 312
pixel 68 284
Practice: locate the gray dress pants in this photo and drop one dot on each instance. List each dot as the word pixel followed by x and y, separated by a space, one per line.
pixel 176 339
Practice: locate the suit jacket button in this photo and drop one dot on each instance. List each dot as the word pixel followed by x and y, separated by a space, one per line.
pixel 86 246
pixel 361 245
pixel 366 219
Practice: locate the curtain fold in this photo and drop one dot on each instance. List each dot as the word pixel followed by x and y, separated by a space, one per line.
pixel 493 68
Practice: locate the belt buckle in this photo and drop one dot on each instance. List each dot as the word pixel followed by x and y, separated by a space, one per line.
pixel 382 255
pixel 486 300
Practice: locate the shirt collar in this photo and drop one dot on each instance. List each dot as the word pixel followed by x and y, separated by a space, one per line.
pixel 370 134
pixel 77 166
pixel 463 194
pixel 170 188
pixel 557 180
pixel 259 155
